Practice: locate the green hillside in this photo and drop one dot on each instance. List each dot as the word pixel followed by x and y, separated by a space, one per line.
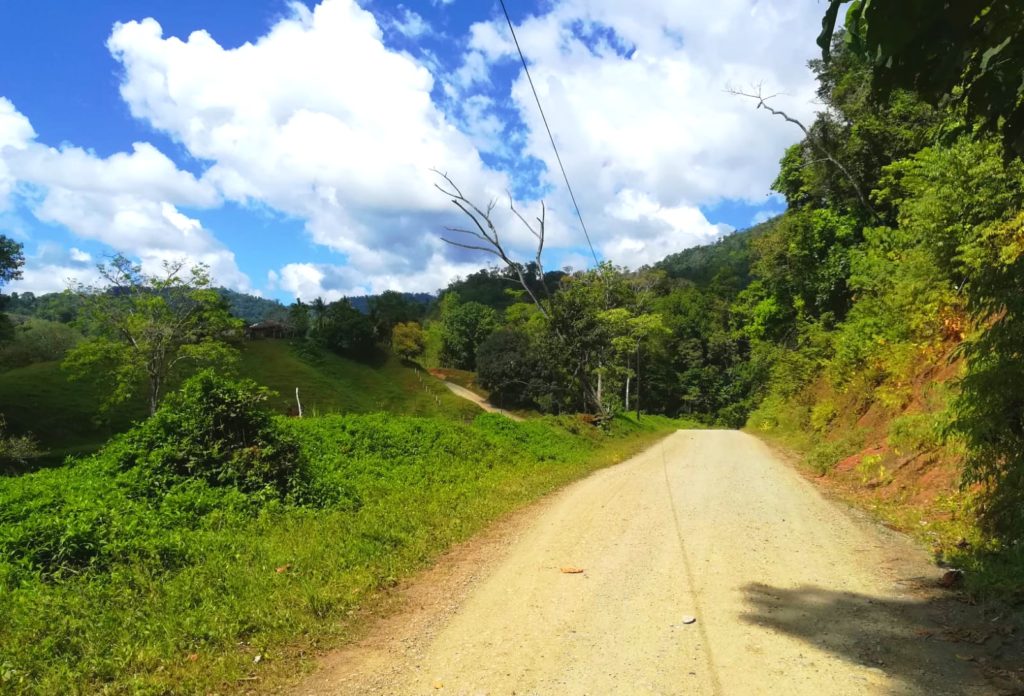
pixel 331 384
pixel 726 264
pixel 66 418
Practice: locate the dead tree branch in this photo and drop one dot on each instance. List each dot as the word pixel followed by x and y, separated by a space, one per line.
pixel 762 103
pixel 485 236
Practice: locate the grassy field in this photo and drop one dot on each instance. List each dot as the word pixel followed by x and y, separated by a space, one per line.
pixel 205 589
pixel 331 384
pixel 66 418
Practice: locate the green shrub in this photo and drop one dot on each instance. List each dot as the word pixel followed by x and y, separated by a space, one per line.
pixel 822 415
pixel 918 432
pixel 216 430
pixel 872 470
pixel 16 449
pixel 825 455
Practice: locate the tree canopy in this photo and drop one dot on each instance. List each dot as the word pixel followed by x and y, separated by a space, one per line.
pixel 141 328
pixel 969 52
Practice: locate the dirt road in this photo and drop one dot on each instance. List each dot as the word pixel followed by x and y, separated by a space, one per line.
pixel 792 594
pixel 479 400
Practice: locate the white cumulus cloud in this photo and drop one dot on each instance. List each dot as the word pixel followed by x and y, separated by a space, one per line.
pixel 15 135
pixel 636 96
pixel 321 120
pixel 318 119
pixel 127 201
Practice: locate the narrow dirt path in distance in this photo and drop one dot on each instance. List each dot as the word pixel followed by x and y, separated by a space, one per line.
pixel 791 594
pixel 479 400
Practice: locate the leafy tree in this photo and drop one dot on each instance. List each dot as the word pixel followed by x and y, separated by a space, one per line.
pixel 141 328
pixel 465 326
pixel 298 318
pixel 11 260
pixel 967 51
pixel 802 267
pixel 509 366
pixel 391 308
pixel 347 331
pixel 408 340
pixel 38 340
pixel 318 308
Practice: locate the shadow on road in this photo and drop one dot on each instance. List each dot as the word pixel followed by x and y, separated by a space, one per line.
pixel 933 645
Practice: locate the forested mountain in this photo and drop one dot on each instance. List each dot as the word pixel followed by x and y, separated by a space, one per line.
pixel 364 302
pixel 63 307
pixel 726 264
pixel 252 309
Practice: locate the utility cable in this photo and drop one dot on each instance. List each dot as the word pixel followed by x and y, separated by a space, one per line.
pixel 550 136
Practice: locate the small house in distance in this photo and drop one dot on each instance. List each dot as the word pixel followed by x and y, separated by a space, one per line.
pixel 268 328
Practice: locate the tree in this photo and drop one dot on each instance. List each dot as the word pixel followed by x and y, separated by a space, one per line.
pixel 38 340
pixel 969 52
pixel 509 367
pixel 484 236
pixel 465 326
pixel 140 328
pixel 13 449
pixel 391 308
pixel 347 331
pixel 319 310
pixel 408 340
pixel 298 318
pixel 11 261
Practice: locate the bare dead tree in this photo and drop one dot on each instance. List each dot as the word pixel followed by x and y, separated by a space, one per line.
pixel 484 234
pixel 762 103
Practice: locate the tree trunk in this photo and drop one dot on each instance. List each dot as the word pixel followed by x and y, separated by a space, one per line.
pixel 154 394
pixel 638 382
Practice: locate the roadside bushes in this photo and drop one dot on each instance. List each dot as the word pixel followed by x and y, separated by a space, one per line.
pixel 16 449
pixel 216 430
pixel 210 454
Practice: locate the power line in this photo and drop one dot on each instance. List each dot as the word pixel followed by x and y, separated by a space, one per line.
pixel 550 136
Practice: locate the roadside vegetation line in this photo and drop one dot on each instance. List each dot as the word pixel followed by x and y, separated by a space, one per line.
pixel 128 572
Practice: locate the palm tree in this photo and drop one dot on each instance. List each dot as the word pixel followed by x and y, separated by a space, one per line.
pixel 319 308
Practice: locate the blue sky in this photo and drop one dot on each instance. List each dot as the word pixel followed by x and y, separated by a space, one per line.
pixel 290 146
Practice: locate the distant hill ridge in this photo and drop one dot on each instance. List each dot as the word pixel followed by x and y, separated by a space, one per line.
pixel 724 263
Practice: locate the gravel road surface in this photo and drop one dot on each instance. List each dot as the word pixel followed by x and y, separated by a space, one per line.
pixel 709 566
